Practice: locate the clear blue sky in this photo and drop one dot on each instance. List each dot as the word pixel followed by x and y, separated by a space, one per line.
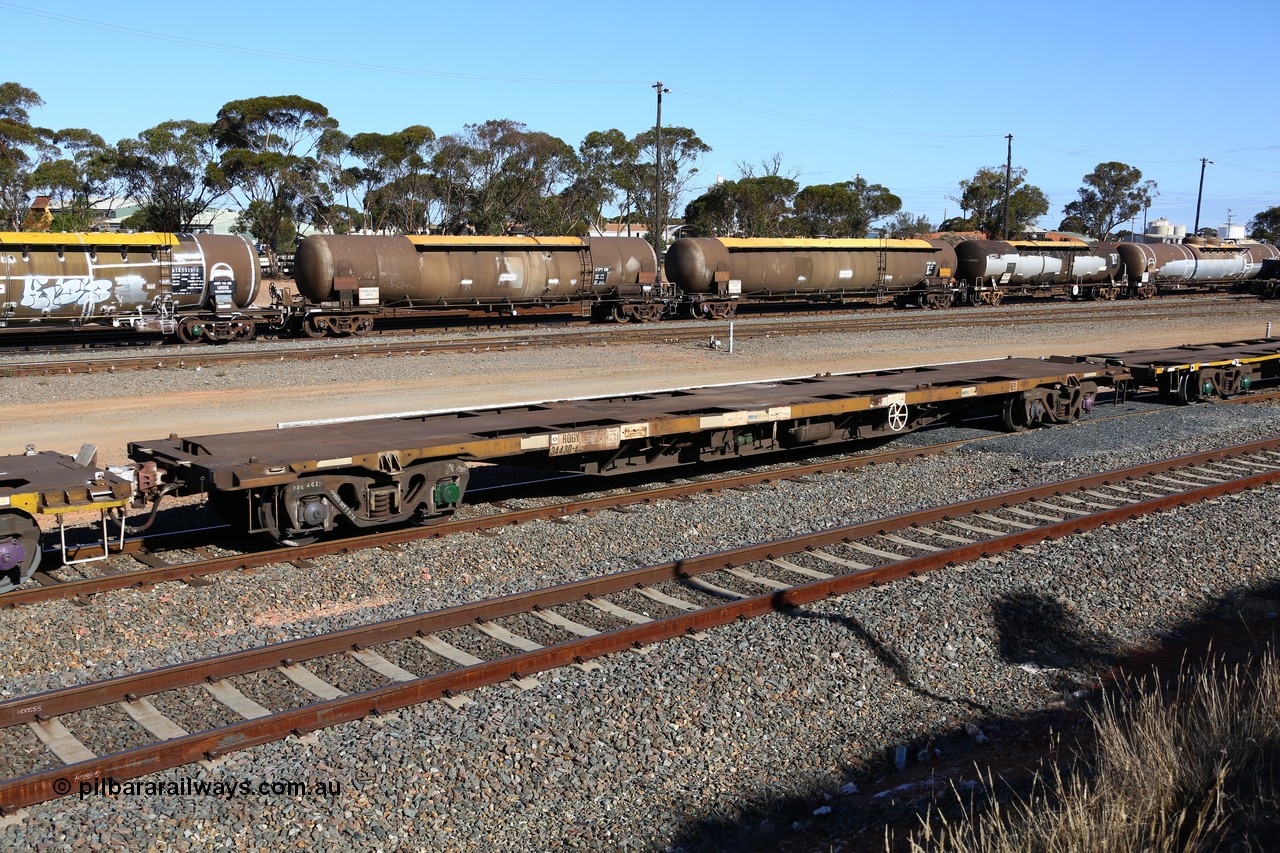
pixel 913 95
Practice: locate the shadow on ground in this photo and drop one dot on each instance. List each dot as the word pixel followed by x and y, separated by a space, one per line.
pixel 1036 631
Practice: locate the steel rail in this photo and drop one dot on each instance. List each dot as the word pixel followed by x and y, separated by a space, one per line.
pixel 155 575
pixel 611 336
pixel 52 589
pixel 48 784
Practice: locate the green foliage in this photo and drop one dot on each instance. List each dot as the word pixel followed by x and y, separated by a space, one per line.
pixel 906 224
pixel 278 151
pixel 682 149
pixel 983 197
pixel 1074 223
pixel 172 170
pixel 499 175
pixel 394 178
pixel 78 183
pixel 1266 225
pixel 748 207
pixel 22 148
pixel 843 210
pixel 1112 193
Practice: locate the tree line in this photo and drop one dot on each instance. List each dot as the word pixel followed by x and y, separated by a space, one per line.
pixel 284 160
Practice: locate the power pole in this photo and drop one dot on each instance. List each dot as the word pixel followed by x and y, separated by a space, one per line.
pixel 1008 179
pixel 1199 195
pixel 657 182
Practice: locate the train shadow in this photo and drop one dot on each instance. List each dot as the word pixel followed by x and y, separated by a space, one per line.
pixel 873 802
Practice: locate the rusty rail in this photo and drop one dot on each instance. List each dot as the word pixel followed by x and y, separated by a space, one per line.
pixel 44 785
pixel 192 357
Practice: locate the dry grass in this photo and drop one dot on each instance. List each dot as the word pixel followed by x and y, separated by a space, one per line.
pixel 1195 767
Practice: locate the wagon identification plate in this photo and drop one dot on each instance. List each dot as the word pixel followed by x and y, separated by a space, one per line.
pixel 582 441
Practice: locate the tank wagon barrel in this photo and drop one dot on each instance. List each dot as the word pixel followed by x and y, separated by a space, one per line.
pixel 84 277
pixel 426 271
pixel 712 271
pixel 1174 265
pixel 993 269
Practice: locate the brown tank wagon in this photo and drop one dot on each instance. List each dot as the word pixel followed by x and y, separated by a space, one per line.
pixel 91 277
pixel 715 273
pixel 611 275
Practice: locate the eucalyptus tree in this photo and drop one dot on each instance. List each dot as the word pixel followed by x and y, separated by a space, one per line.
pixel 79 179
pixel 682 151
pixel 844 209
pixel 1112 193
pixel 499 175
pixel 982 200
pixel 23 146
pixel 394 178
pixel 273 150
pixel 172 170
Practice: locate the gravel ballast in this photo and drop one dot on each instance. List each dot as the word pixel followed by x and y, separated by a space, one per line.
pixel 642 752
pixel 694 742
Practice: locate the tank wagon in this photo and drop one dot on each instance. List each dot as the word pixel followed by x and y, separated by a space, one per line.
pixel 343 276
pixel 990 270
pixel 714 274
pixel 152 281
pixel 1172 266
pixel 301 481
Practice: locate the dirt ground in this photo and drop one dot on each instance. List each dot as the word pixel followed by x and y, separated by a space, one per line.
pixel 60 413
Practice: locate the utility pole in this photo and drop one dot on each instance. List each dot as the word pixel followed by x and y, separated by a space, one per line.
pixel 1200 195
pixel 1008 179
pixel 657 182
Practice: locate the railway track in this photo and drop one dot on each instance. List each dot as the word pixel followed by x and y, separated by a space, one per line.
pixel 578 622
pixel 200 357
pixel 152 553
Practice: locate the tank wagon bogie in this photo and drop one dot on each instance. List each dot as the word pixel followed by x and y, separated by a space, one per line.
pixel 145 280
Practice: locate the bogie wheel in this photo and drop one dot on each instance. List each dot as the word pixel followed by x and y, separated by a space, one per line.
pixel 1013 414
pixel 189 331
pixel 621 313
pixel 362 327
pixel 267 521
pixel 19 549
pixel 315 326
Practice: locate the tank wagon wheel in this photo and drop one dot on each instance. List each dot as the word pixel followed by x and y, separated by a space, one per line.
pixel 315 326
pixel 242 332
pixel 189 331
pixel 621 313
pixel 19 548
pixel 362 327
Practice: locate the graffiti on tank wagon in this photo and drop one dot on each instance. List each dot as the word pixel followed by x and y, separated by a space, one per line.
pixel 51 292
